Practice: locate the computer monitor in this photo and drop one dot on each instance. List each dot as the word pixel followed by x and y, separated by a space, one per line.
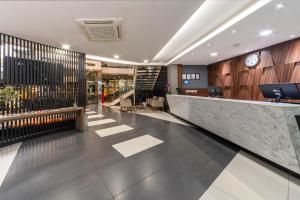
pixel 214 91
pixel 179 91
pixel 280 91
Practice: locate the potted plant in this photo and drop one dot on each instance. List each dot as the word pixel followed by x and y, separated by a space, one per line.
pixel 8 94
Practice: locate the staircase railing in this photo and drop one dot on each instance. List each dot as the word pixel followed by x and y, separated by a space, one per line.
pixel 119 92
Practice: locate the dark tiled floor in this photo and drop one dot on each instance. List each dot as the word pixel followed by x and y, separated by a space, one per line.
pixel 83 166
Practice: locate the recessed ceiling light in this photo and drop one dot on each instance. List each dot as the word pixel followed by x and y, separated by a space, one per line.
pixel 233 32
pixel 279 6
pixel 266 33
pixel 220 59
pixel 214 54
pixel 116 57
pixel 65 46
pixel 146 61
pixel 207 45
pixel 292 36
pixel 246 12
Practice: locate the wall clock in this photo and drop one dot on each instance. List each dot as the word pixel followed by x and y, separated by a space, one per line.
pixel 252 60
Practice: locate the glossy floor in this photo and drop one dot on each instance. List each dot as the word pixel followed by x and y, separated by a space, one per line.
pixel 174 161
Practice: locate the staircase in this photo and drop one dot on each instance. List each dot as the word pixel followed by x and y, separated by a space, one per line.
pixel 146 77
pixel 126 95
pixel 144 80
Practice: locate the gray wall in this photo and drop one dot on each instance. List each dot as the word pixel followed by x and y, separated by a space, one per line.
pixel 202 70
pixel 172 78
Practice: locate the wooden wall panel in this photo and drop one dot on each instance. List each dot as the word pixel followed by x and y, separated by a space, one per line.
pixel 245 78
pixel 265 59
pixel 269 76
pixel 279 54
pixel 225 68
pixel 245 92
pixel 278 64
pixel 227 92
pixel 228 80
pixel 293 54
pixel 284 72
pixel 296 73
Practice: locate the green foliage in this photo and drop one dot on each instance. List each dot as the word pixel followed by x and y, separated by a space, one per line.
pixel 8 94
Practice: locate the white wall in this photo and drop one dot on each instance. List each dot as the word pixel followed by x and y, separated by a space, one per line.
pixel 173 78
pixel 92 64
pixel 110 70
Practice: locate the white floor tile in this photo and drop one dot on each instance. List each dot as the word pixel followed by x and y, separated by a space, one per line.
pixel 90 112
pixel 247 178
pixel 294 188
pixel 99 122
pixel 113 130
pixel 7 156
pixel 136 145
pixel 95 116
pixel 213 193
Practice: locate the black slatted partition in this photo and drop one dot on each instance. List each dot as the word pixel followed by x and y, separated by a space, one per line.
pixel 47 78
pixel 161 83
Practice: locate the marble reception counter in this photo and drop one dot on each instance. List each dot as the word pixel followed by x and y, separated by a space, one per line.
pixel 265 128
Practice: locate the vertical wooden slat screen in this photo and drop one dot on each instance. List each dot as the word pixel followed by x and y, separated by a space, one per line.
pixel 47 78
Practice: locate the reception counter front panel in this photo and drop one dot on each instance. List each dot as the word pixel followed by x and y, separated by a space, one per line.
pixel 268 129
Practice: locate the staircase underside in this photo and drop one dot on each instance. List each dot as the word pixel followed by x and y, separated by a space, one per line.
pixel 146 77
pixel 126 95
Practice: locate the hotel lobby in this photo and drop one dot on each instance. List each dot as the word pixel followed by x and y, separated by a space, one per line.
pixel 150 100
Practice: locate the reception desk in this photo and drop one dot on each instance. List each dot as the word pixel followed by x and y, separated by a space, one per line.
pixel 268 129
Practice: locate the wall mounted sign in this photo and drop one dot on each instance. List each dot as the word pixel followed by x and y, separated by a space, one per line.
pixel 192 76
pixel 252 60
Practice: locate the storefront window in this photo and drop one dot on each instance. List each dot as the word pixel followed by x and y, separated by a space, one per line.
pixel 115 85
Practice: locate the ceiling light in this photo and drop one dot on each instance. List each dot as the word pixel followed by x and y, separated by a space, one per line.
pixel 251 9
pixel 266 33
pixel 233 32
pixel 65 46
pixel 279 6
pixel 207 45
pixel 116 57
pixel 220 59
pixel 292 36
pixel 214 54
pixel 146 61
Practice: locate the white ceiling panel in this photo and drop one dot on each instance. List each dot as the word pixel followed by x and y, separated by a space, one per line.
pixel 283 22
pixel 210 15
pixel 146 25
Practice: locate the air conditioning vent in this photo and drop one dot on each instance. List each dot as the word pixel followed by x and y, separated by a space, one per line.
pixel 102 29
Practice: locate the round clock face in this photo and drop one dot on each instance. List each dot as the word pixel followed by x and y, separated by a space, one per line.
pixel 252 60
